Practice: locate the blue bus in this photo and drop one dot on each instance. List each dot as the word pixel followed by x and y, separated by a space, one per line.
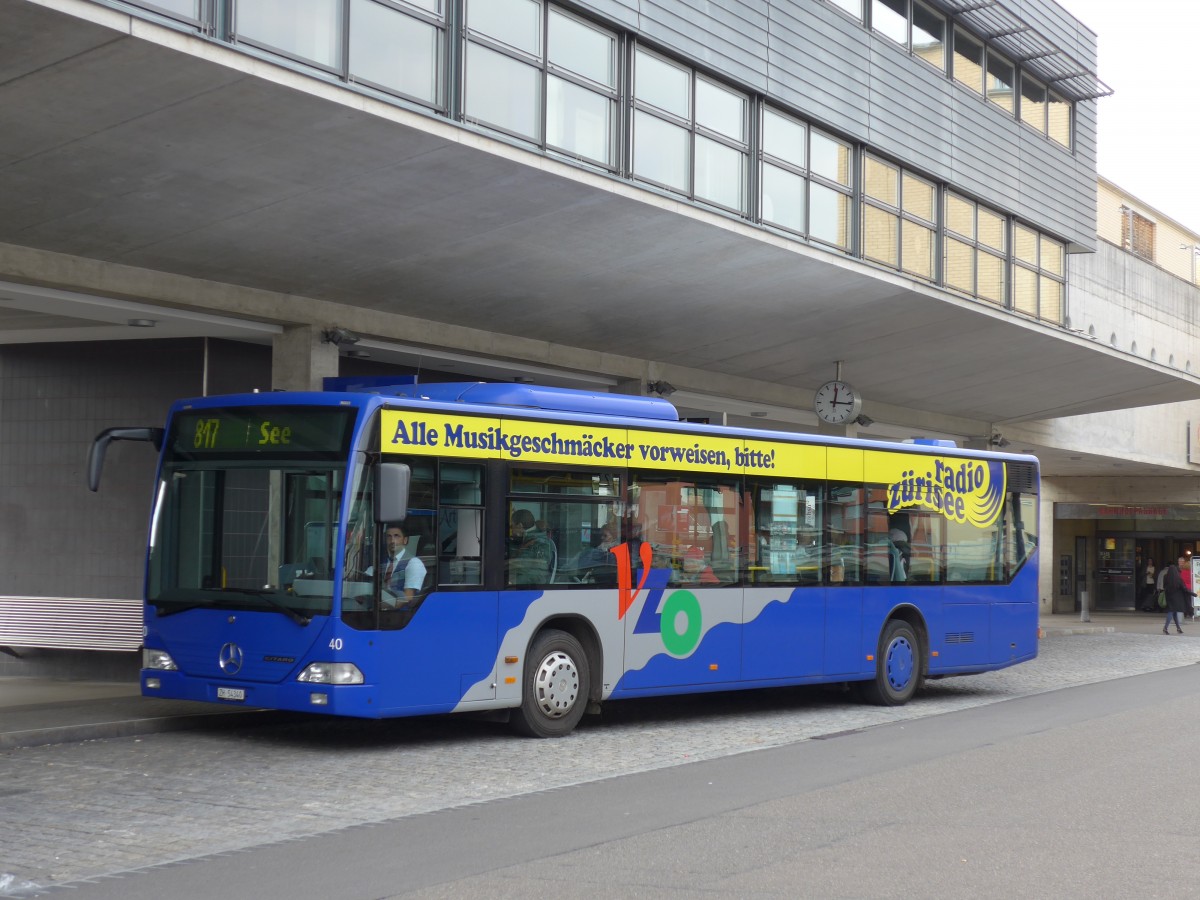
pixel 467 547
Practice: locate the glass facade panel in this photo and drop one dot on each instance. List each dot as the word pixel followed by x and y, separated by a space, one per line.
pixel 502 91
pixel 829 216
pixel 517 23
pixel 991 278
pixel 395 51
pixel 784 138
pixel 720 110
pixel 968 61
pixel 309 29
pixel 960 266
pixel 991 230
pixel 1000 81
pixel 917 249
pixel 1025 245
pixel 929 36
pixel 1052 256
pixel 918 197
pixel 581 49
pixel 1050 299
pixel 854 7
pixel 663 85
pixel 579 121
pixel 1033 104
pixel 661 151
pixel 1025 290
pixel 890 18
pixel 830 159
pixel 783 198
pixel 960 216
pixel 881 181
pixel 880 237
pixel 1058 120
pixel 188 8
pixel 720 173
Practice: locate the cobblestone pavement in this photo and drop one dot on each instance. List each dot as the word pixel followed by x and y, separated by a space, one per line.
pixel 77 811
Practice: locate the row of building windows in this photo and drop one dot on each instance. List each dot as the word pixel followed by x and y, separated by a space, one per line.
pixel 541 74
pixel 970 62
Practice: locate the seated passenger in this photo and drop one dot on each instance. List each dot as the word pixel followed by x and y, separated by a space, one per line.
pixel 597 554
pixel 530 553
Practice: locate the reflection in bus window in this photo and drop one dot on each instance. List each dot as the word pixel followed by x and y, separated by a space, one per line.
pixel 845 534
pixel 678 514
pixel 788 525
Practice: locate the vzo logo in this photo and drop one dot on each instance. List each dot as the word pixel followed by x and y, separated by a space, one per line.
pixel 679 621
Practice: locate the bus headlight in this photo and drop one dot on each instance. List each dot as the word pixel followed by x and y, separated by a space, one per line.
pixel 158 659
pixel 331 673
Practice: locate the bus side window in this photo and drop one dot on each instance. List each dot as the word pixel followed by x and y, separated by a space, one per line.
pixel 460 524
pixel 460 545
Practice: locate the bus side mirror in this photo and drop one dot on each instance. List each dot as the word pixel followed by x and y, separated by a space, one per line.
pixel 391 492
pixel 107 436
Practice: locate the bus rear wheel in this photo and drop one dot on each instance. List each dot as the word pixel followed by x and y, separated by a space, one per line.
pixel 556 686
pixel 897 667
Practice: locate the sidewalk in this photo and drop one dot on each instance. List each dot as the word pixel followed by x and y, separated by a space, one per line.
pixel 37 711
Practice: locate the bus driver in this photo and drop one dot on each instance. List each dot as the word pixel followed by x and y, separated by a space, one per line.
pixel 403 577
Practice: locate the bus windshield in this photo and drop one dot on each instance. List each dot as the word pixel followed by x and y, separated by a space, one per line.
pixel 243 523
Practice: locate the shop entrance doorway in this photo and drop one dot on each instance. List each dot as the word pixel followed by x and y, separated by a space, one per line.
pixel 1153 553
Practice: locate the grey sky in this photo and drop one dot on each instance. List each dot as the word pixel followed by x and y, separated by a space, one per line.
pixel 1149 141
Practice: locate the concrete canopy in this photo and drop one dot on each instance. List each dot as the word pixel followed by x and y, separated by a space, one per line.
pixel 133 144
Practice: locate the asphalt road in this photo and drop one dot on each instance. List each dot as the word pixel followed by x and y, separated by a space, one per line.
pixel 986 786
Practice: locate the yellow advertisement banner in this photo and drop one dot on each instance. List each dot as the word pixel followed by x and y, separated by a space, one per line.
pixel 437 434
pixel 963 490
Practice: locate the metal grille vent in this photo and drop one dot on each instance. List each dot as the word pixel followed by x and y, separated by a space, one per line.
pixel 960 637
pixel 1022 478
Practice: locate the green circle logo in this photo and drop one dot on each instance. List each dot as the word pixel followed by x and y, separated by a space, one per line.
pixel 680 603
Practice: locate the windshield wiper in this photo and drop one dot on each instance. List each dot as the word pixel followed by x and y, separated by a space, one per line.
pixel 163 610
pixel 268 594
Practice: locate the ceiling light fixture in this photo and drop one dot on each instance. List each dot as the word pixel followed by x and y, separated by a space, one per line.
pixel 141 323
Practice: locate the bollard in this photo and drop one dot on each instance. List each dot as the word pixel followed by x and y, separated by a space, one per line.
pixel 1084 614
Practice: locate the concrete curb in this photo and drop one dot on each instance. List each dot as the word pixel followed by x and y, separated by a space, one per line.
pixel 92 731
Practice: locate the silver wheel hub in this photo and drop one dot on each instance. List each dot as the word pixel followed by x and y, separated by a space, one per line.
pixel 556 685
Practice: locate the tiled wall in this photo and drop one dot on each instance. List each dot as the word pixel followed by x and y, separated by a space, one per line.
pixel 57 539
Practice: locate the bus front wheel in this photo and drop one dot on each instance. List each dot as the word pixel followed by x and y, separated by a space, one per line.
pixel 556 686
pixel 897 667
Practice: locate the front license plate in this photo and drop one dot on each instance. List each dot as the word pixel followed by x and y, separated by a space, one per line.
pixel 231 693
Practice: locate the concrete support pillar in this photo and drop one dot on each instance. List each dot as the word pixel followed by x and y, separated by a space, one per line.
pixel 849 430
pixel 301 358
pixel 635 387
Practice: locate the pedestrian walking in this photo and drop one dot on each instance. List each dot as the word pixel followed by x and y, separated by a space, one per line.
pixel 1179 596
